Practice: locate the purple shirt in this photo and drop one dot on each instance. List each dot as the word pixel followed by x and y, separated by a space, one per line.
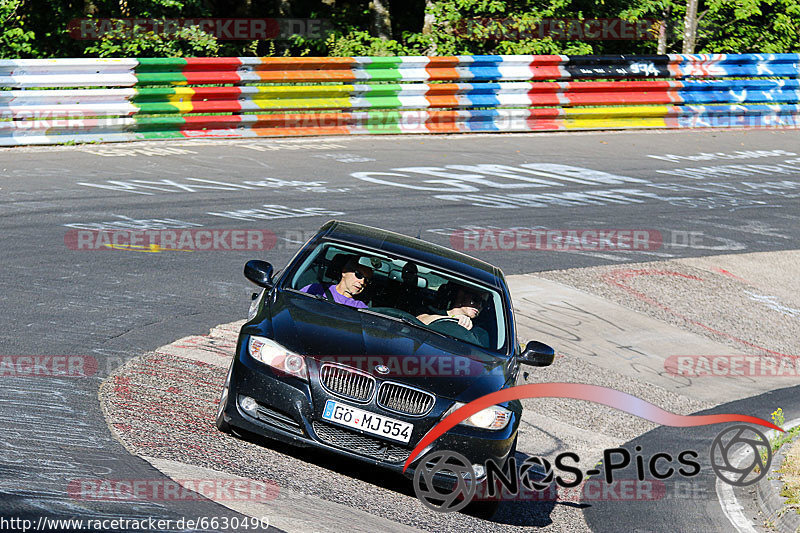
pixel 318 289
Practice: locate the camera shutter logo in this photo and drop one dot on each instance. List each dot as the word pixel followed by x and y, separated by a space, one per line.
pixel 724 462
pixel 543 470
pixel 457 469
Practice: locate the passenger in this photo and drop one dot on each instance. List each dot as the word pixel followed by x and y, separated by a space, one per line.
pixel 467 305
pixel 406 296
pixel 355 278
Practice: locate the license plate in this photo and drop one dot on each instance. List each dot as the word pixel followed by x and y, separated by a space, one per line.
pixel 353 417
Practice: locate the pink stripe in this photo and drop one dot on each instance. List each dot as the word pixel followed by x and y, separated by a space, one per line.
pixel 579 391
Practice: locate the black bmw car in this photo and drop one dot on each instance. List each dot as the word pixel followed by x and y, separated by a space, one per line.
pixel 367 339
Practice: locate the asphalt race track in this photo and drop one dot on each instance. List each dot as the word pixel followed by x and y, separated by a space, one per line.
pixel 110 307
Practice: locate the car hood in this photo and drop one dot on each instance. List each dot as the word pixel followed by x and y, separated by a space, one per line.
pixel 329 332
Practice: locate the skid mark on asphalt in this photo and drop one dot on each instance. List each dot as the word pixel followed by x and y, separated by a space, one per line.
pixel 730 274
pixel 619 278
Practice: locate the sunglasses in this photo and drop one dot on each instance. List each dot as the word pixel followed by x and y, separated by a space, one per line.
pixel 360 275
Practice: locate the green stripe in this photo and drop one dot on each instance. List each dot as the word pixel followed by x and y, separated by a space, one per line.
pixel 158 94
pixel 160 70
pixel 383 95
pixel 158 124
pixel 157 108
pixel 382 62
pixel 383 68
pixel 383 122
pixel 160 135
pixel 155 100
pixel 160 64
pixel 384 74
pixel 160 78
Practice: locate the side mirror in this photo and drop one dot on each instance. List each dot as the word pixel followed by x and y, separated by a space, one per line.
pixel 537 354
pixel 259 272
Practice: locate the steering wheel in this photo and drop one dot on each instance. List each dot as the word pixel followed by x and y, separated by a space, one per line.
pixel 450 326
pixel 454 319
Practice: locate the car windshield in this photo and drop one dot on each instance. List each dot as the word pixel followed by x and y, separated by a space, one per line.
pixel 401 289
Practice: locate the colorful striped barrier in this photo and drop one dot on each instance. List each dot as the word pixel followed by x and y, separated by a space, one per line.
pixel 166 98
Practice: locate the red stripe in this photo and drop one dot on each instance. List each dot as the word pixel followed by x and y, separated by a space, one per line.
pixel 200 64
pixel 545 119
pixel 544 93
pixel 546 67
pixel 216 100
pixel 215 122
pixel 618 92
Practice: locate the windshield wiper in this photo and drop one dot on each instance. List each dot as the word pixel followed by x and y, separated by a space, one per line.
pixel 407 321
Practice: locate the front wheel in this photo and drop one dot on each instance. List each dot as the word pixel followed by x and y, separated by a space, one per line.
pixel 220 422
pixel 485 510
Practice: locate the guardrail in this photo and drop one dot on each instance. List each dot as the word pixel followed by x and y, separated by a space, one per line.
pixel 100 100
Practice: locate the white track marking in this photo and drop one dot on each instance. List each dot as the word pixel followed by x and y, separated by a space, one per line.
pixel 727 498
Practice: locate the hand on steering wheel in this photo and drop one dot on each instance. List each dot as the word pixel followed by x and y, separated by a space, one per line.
pixel 463 320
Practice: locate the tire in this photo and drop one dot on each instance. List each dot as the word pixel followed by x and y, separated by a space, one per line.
pixel 485 510
pixel 220 422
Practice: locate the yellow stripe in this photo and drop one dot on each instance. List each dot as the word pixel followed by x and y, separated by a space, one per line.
pixel 616 117
pixel 182 99
pixel 303 97
pixel 303 103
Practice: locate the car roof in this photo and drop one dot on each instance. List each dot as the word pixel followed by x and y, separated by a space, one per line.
pixel 415 249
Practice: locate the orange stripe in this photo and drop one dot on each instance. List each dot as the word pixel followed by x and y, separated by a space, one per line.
pixel 275 69
pixel 333 123
pixel 442 95
pixel 442 68
pixel 443 122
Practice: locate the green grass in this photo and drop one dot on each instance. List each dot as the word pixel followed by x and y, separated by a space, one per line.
pixel 790 474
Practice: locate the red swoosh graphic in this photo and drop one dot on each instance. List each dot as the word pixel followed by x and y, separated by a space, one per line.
pixel 579 391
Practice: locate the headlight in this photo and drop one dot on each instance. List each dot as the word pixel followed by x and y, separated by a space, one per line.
pixel 494 417
pixel 276 356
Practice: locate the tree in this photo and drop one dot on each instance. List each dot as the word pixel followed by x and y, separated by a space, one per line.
pixel 690 27
pixel 16 39
pixel 380 19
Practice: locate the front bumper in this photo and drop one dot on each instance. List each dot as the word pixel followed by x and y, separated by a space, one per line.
pixel 289 410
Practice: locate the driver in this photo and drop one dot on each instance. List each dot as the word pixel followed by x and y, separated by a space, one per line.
pixel 355 278
pixel 467 305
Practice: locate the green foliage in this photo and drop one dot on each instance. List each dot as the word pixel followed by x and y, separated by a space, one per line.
pixel 16 40
pixel 361 43
pixel 39 28
pixel 766 26
pixel 133 42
